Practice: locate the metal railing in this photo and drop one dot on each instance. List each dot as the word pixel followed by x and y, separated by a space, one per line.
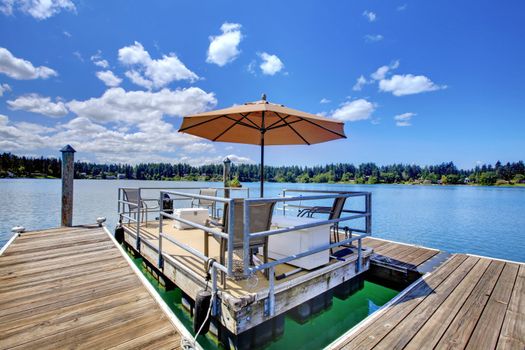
pixel 367 214
pixel 322 209
pixel 227 268
pixel 137 211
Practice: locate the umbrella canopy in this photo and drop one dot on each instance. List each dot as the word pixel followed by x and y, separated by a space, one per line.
pixel 263 123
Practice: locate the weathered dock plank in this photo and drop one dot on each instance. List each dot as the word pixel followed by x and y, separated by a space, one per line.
pixel 513 331
pixel 371 335
pixel 398 254
pixel 493 315
pixel 72 288
pixel 468 302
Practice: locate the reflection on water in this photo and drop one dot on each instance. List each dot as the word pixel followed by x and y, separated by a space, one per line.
pixel 479 220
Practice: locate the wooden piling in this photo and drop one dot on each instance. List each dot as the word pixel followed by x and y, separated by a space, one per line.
pixel 226 176
pixel 68 171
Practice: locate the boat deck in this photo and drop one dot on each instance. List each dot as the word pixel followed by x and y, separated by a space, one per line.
pixel 242 302
pixel 73 288
pixel 468 302
pixel 195 238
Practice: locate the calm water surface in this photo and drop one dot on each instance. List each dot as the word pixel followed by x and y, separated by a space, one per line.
pixel 480 220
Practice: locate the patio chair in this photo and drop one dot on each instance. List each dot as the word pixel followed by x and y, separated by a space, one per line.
pixel 131 195
pixel 205 203
pixel 260 220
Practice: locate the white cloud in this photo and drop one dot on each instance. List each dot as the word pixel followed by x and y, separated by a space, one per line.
pixel 372 38
pixel 251 67
pixel 109 78
pixel 120 126
pixel 382 71
pixel 67 34
pixel 402 7
pixel 39 9
pixel 22 136
pixel 408 84
pixel 271 64
pixel 99 61
pixel 78 55
pixel 237 159
pixel 370 16
pixel 21 69
pixel 148 72
pixel 404 119
pixel 119 105
pixel 4 88
pixel 215 160
pixel 198 147
pixel 360 82
pixel 39 104
pixel 325 100
pixel 103 144
pixel 354 110
pixel 138 79
pixel 85 136
pixel 224 48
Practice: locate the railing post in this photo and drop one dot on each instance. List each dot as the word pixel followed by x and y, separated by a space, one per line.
pixel 284 203
pixel 231 229
pixel 368 203
pixel 139 209
pixel 270 303
pixel 246 237
pixel 161 259
pixel 118 202
pixel 68 174
pixel 359 262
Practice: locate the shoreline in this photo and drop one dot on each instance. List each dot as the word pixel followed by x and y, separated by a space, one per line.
pixel 313 183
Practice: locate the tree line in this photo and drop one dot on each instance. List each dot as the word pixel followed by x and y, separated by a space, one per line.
pixel 370 173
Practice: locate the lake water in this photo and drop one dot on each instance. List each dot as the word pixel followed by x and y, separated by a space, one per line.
pixel 466 219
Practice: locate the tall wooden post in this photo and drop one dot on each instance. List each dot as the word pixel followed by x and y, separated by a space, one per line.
pixel 68 172
pixel 226 176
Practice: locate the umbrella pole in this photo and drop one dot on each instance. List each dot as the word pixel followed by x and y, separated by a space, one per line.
pixel 262 165
pixel 263 130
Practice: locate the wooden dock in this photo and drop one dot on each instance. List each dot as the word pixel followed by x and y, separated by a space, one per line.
pixel 468 302
pixel 400 255
pixel 74 288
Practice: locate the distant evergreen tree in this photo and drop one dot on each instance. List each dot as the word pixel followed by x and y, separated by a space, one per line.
pixel 447 173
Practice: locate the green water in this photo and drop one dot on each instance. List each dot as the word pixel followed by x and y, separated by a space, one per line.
pixel 174 300
pixel 327 326
pixel 317 333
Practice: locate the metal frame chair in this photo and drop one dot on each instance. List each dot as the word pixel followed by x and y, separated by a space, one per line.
pixel 261 219
pixel 131 195
pixel 206 203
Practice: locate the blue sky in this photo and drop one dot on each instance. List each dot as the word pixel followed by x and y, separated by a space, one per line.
pixel 415 81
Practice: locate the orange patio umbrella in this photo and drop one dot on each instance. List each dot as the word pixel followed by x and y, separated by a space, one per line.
pixel 263 123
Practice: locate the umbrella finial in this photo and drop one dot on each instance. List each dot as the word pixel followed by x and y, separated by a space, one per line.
pixel 263 97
